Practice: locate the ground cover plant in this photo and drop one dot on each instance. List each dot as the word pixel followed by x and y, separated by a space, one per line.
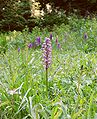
pixel 71 90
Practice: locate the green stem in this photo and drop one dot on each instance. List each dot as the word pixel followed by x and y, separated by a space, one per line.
pixel 78 86
pixel 47 81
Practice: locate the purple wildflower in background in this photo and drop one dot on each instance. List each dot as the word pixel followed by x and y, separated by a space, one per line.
pixel 38 41
pixel 51 36
pixel 30 45
pixel 85 36
pixel 18 49
pixel 56 41
pixel 59 46
pixel 47 53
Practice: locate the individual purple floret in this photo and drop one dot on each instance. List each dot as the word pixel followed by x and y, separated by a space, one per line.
pixel 30 45
pixel 47 53
pixel 85 36
pixel 18 49
pixel 38 41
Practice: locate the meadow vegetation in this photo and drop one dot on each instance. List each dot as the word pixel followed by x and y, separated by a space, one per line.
pixel 72 75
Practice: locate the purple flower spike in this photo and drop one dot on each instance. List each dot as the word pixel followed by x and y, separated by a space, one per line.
pixel 59 46
pixel 18 49
pixel 38 41
pixel 85 36
pixel 47 53
pixel 51 36
pixel 56 41
pixel 30 45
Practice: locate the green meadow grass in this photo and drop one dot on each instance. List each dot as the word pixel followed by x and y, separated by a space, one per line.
pixel 72 74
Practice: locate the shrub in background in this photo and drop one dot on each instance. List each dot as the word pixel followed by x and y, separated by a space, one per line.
pixel 51 19
pixel 15 15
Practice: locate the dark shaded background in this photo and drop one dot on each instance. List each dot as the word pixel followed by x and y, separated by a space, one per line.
pixel 16 14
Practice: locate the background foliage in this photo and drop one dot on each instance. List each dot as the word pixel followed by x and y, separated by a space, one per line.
pixel 16 15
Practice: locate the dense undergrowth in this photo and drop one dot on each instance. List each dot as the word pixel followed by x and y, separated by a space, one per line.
pixel 72 74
